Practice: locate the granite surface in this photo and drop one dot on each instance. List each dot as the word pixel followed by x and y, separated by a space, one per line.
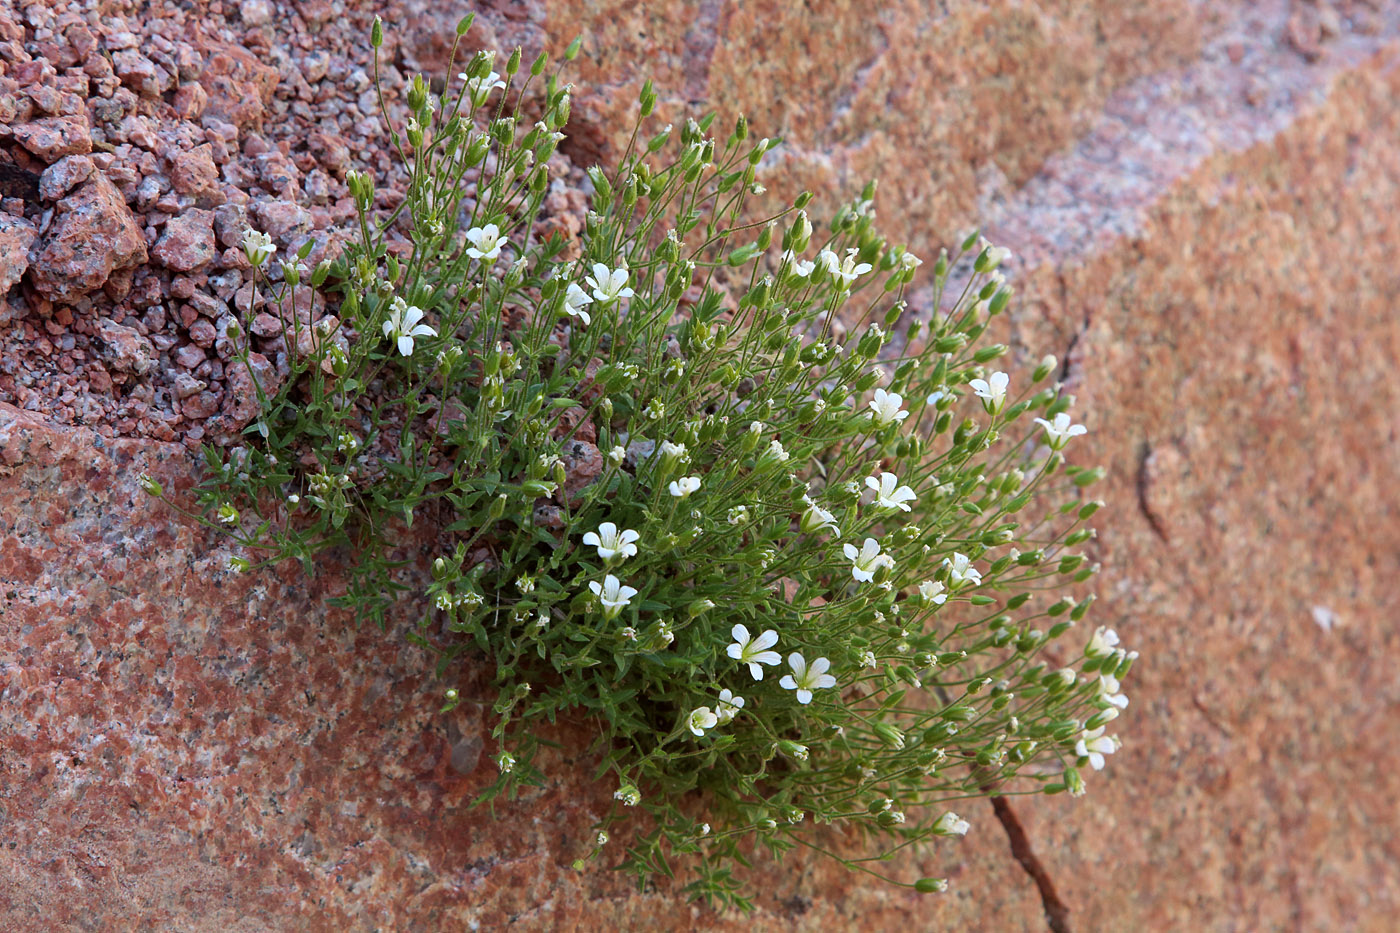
pixel 1202 201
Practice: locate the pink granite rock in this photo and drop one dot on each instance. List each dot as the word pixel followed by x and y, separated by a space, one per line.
pixel 237 84
pixel 188 242
pixel 61 177
pixel 55 137
pixel 195 174
pixel 16 236
pixel 93 233
pixel 124 348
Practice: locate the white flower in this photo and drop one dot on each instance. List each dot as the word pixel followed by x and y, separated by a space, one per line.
pixel 996 255
pixel 738 515
pixel 617 454
pixel 227 514
pixel 612 594
pixel 753 651
pixel 728 706
pixel 936 396
pixel 932 592
pixel 950 824
pixel 480 88
pixel 817 519
pixel 701 719
pixel 885 408
pixel 258 247
pixel 485 242
pixel 1058 433
pixel 992 391
pixel 680 488
pixel 574 300
pixel 402 326
pixel 776 452
pixel 960 570
pixel 1109 691
pixel 909 261
pixel 805 679
pixel 628 794
pixel 845 270
pixel 798 267
pixel 506 762
pixel 601 839
pixel 1093 745
pixel 867 560
pixel 867 659
pixel 888 493
pixel 612 543
pixel 1102 643
pixel 608 284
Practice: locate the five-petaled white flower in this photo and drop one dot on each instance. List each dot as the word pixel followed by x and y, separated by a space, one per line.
pixel 798 267
pixel 1110 691
pixel 960 570
pixel 612 594
pixel 486 242
pixel 480 88
pixel 887 408
pixel 608 284
pixel 1101 643
pixel 931 591
pixel 613 543
pixel 844 271
pixel 888 493
pixel 992 391
pixel 817 519
pixel 909 261
pixel 680 488
pixel 754 651
pixel 805 679
pixel 402 326
pixel 1058 432
pixel 950 824
pixel 258 247
pixel 700 719
pixel 728 706
pixel 1093 745
pixel 867 560
pixel 574 300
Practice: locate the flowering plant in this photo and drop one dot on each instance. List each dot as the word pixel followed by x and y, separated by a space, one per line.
pixel 786 538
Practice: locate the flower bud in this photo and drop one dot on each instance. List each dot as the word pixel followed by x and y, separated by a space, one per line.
pixel 793 750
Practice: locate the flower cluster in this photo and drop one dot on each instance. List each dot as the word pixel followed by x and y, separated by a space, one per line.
pixel 803 574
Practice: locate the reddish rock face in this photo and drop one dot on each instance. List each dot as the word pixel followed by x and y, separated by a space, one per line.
pixel 93 233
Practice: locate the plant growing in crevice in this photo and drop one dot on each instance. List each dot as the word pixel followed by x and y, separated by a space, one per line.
pixel 705 479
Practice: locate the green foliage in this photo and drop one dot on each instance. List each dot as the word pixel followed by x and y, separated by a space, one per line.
pixel 701 421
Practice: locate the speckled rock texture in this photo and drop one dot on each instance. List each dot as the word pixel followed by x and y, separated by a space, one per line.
pixel 1202 199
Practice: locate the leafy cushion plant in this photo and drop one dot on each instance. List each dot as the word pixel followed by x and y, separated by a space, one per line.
pixel 794 550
